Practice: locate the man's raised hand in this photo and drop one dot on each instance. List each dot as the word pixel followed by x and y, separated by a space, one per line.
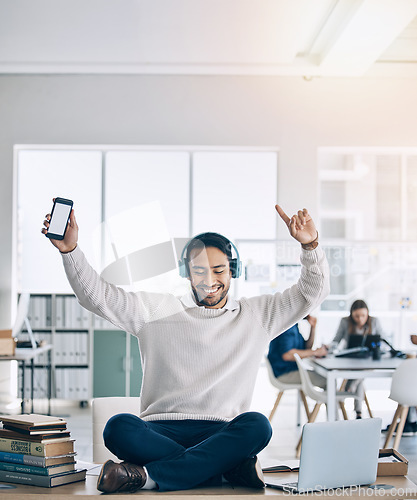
pixel 300 225
pixel 71 235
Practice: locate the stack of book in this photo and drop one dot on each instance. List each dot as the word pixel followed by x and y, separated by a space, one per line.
pixel 37 450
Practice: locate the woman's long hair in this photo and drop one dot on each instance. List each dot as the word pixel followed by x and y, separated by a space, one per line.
pixel 359 304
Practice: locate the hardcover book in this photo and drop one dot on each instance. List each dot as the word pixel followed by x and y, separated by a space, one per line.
pixel 36 449
pixel 17 458
pixel 41 471
pixel 35 438
pixel 24 429
pixel 32 420
pixel 284 466
pixel 44 481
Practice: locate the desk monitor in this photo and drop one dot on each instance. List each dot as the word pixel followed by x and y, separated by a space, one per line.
pixel 363 341
pixel 335 455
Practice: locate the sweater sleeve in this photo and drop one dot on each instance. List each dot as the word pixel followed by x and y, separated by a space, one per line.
pixel 126 310
pixel 276 313
pixel 342 332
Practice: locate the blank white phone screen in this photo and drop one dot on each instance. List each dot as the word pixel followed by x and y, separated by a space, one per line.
pixel 59 219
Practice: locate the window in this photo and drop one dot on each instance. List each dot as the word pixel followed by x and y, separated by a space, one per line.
pixel 43 175
pixel 130 199
pixel 234 193
pixel 368 226
pixel 368 194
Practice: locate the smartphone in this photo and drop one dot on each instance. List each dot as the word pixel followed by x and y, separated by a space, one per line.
pixel 60 215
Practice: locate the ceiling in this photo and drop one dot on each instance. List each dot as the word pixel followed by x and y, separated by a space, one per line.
pixel 342 38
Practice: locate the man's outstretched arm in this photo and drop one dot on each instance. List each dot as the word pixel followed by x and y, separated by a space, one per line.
pixel 127 310
pixel 280 311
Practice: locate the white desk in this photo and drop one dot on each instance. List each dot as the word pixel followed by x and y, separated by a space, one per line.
pixel 22 356
pixel 404 488
pixel 350 368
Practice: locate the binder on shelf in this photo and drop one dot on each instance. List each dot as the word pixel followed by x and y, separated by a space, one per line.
pixel 84 349
pixel 78 314
pixel 67 311
pixel 76 385
pixel 69 384
pixel 58 384
pixel 85 318
pixel 58 348
pixel 48 312
pixel 43 311
pixel 85 385
pixel 32 316
pixel 76 348
pixel 59 312
pixel 71 345
pixel 64 349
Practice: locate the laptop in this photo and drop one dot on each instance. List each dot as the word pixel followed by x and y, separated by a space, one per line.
pixel 353 352
pixel 368 341
pixel 335 455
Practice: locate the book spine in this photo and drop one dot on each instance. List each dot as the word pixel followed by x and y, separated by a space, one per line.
pixel 40 471
pixel 16 458
pixel 23 478
pixel 23 447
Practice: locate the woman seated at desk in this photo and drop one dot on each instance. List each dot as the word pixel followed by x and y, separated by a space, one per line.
pixel 359 322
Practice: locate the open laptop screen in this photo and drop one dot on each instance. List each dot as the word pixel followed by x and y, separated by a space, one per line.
pixel 335 455
pixel 363 340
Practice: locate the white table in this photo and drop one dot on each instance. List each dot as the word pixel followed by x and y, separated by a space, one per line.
pixel 333 368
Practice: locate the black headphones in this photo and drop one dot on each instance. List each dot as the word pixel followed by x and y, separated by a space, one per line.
pixel 235 264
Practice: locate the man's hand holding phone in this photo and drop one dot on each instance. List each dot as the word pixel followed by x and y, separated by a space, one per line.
pixel 67 236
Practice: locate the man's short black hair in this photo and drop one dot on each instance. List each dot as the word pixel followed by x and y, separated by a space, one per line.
pixel 215 240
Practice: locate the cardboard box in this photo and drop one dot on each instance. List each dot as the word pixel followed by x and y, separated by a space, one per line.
pixel 5 334
pixel 397 468
pixel 7 343
pixel 7 347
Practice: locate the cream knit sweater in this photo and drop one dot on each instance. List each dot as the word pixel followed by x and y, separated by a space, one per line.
pixel 199 363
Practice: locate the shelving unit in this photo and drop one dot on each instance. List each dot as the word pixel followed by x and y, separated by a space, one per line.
pixel 59 320
pixel 90 357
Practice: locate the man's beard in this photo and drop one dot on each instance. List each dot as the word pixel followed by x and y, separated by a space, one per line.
pixel 202 299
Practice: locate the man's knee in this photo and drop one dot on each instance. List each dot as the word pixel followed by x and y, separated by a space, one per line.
pixel 257 423
pixel 117 426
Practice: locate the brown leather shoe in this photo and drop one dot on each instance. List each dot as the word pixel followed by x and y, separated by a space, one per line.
pixel 120 477
pixel 248 473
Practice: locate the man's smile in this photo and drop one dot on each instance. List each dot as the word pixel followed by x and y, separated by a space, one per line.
pixel 210 290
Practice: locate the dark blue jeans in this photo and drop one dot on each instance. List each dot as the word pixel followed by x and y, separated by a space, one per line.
pixel 182 454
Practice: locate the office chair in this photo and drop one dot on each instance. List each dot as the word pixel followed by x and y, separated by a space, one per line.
pixel 368 406
pixel 404 392
pixel 282 387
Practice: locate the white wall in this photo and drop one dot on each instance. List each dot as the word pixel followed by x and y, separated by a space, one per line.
pixel 296 115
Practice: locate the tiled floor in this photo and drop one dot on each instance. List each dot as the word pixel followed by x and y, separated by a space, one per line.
pixel 286 432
